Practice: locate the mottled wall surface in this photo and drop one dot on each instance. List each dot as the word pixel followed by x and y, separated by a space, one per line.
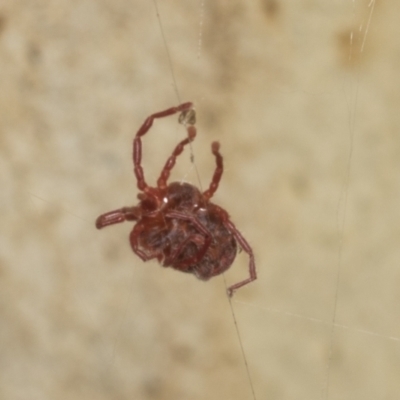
pixel 304 98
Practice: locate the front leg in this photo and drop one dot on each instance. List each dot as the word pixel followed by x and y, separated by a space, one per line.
pixel 137 142
pixel 117 216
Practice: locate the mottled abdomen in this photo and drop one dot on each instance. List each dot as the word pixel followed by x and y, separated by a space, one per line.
pixel 220 254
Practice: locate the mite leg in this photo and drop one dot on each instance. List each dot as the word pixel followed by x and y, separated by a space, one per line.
pixel 217 173
pixel 133 239
pixel 162 180
pixel 246 247
pixel 116 217
pixel 201 228
pixel 171 259
pixel 137 143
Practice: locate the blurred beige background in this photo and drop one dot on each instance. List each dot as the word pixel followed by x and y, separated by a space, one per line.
pixel 304 98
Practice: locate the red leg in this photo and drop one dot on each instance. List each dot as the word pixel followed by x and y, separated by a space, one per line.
pixel 201 228
pixel 117 216
pixel 162 180
pixel 133 238
pixel 168 261
pixel 137 143
pixel 217 173
pixel 246 247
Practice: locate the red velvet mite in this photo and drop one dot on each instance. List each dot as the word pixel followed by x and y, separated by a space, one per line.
pixel 176 223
